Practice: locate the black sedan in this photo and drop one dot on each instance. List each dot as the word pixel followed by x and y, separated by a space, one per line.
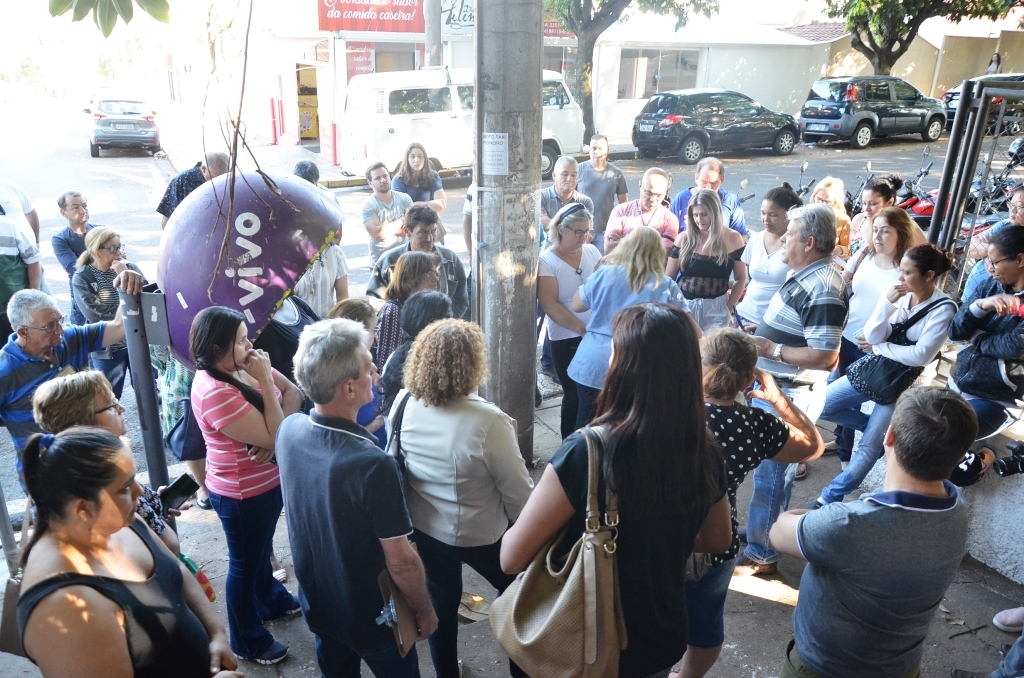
pixel 691 122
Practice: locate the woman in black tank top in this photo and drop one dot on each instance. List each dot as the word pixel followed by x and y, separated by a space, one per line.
pixel 101 596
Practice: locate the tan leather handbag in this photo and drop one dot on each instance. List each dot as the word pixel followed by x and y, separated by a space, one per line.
pixel 10 639
pixel 562 618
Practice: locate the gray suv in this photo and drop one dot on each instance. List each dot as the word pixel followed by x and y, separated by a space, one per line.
pixel 122 123
pixel 861 108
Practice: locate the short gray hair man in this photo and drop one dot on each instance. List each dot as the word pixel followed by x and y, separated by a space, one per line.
pixel 818 222
pixel 566 160
pixel 329 354
pixel 24 304
pixel 308 170
pixel 217 163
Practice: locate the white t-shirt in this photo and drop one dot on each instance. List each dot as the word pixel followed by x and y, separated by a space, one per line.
pixel 316 287
pixel 869 284
pixel 568 282
pixel 16 204
pixel 767 273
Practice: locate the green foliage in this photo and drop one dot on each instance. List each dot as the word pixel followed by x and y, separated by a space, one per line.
pixel 580 16
pixel 106 12
pixel 882 30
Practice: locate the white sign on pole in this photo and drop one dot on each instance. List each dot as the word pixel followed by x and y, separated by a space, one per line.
pixel 495 154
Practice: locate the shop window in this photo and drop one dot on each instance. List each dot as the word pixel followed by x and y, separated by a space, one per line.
pixel 643 72
pixel 424 100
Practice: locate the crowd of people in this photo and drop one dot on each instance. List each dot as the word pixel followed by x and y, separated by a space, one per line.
pixel 360 418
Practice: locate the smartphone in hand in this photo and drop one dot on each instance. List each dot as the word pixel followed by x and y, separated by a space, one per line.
pixel 178 492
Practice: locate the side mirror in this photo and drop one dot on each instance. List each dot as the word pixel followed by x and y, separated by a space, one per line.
pixel 927 151
pixel 804 165
pixel 868 166
pixel 87 110
pixel 744 184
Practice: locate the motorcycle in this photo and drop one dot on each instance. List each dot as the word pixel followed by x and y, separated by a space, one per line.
pixel 803 189
pixel 999 188
pixel 855 201
pixel 920 204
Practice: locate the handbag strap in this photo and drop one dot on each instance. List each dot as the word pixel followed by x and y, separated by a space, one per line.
pixel 898 333
pixel 396 430
pixel 595 441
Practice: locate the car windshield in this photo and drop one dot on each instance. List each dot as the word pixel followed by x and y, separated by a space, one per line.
pixel 828 90
pixel 660 104
pixel 111 107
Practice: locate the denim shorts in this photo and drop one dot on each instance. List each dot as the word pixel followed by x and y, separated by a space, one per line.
pixel 705 606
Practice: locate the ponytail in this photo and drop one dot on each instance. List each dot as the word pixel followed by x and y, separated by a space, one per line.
pixel 75 464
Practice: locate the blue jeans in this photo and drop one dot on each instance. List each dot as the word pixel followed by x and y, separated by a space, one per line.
pixel 773 482
pixel 849 353
pixel 115 369
pixel 705 606
pixel 842 406
pixel 253 595
pixel 991 415
pixel 1012 665
pixel 338 660
pixel 598 240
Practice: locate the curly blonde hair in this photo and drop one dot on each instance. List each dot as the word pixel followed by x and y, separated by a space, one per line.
pixel 448 360
pixel 63 402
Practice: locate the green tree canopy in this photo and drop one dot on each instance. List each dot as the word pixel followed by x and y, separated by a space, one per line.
pixel 588 19
pixel 105 12
pixel 882 30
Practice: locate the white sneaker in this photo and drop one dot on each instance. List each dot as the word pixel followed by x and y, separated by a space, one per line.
pixel 1011 621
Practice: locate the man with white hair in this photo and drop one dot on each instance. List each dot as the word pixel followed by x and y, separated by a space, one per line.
pixel 345 506
pixel 798 341
pixel 42 348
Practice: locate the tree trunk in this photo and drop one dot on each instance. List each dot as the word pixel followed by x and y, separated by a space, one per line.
pixel 586 42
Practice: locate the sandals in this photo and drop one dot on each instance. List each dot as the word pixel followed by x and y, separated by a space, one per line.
pixel 801 471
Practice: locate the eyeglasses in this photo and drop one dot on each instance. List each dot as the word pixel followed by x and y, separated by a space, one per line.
pixel 1014 207
pixel 113 249
pixel 582 234
pixel 992 264
pixel 113 406
pixel 50 328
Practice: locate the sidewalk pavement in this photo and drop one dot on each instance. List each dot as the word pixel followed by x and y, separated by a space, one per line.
pixel 757 611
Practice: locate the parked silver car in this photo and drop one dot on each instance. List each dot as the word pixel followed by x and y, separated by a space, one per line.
pixel 860 108
pixel 122 123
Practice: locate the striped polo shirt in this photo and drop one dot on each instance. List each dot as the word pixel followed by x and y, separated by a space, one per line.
pixel 21 374
pixel 809 310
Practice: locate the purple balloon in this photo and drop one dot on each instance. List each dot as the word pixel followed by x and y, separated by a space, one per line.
pixel 271 243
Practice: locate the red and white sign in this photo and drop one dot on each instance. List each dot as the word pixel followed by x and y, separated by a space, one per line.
pixel 359 58
pixel 386 16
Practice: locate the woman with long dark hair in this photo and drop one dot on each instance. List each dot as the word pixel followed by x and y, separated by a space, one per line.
pixel 417 179
pixel 417 313
pixel 414 271
pixel 100 594
pixel 240 401
pixel 669 477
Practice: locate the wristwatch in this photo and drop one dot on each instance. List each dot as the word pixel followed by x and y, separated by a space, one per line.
pixel 777 353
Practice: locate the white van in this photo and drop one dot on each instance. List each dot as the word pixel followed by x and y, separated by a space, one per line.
pixel 385 112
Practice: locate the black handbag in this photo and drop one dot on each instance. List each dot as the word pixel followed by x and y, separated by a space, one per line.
pixel 882 379
pixel 185 440
pixel 395 441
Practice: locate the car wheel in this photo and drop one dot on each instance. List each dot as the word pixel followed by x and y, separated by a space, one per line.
pixel 933 131
pixel 548 158
pixel 785 142
pixel 691 151
pixel 94 150
pixel 649 153
pixel 861 135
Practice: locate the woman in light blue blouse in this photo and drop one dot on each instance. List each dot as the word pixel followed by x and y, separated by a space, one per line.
pixel 633 274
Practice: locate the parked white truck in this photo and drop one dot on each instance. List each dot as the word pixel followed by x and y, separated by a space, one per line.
pixel 385 112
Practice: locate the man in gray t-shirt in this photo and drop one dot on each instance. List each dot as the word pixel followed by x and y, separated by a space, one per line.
pixel 602 182
pixel 879 566
pixel 384 212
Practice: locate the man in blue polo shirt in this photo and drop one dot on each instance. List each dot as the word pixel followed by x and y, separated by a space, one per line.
pixel 41 348
pixel 879 566
pixel 711 175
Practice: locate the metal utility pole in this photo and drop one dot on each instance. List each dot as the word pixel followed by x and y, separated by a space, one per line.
pixel 432 27
pixel 507 102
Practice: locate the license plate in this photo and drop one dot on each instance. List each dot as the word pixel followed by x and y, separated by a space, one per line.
pixel 645 128
pixel 817 128
pixel 124 126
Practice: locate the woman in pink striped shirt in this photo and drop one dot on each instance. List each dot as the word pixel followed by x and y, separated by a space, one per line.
pixel 239 425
